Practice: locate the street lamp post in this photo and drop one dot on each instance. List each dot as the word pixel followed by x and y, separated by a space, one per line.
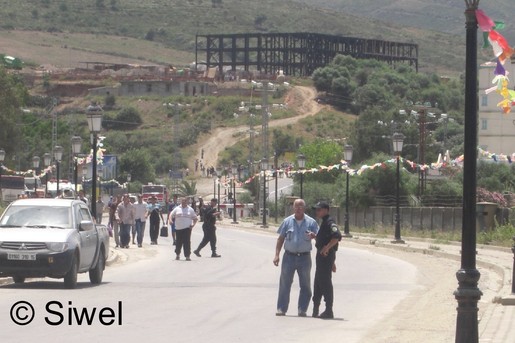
pixel 264 168
pixel 468 293
pixel 347 156
pixel 100 173
pixel 234 174
pixel 47 160
pixel 76 147
pixel 301 160
pixel 2 158
pixel 276 162
pixel 35 164
pixel 84 175
pixel 58 156
pixel 94 115
pixel 129 178
pixel 398 140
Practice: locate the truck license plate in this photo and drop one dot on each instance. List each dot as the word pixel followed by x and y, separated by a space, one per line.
pixel 21 257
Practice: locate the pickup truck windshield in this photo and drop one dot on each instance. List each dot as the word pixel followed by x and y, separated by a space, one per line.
pixel 37 217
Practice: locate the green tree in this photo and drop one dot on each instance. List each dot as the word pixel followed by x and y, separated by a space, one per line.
pixel 188 188
pixel 321 152
pixel 137 163
pixel 13 95
pixel 128 118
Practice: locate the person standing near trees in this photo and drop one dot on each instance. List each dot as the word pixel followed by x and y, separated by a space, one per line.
pixel 154 212
pixel 209 228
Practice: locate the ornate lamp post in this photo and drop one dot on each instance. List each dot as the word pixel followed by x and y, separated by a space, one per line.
pixel 2 158
pixel 47 160
pixel 264 168
pixel 468 293
pixel 84 175
pixel 35 164
pixel 94 115
pixel 398 140
pixel 129 178
pixel 301 161
pixel 234 174
pixel 76 147
pixel 100 173
pixel 347 156
pixel 58 156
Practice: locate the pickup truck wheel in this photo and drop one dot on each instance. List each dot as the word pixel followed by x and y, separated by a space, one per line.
pixel 96 274
pixel 70 279
pixel 18 279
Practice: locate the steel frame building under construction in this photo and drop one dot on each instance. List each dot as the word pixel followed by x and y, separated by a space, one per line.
pixel 297 54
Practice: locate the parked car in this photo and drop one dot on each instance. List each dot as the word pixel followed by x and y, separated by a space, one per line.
pixel 54 238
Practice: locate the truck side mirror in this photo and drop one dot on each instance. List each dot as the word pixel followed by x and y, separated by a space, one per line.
pixel 86 225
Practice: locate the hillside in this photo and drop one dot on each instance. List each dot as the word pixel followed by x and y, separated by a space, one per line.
pixel 175 23
pixel 440 15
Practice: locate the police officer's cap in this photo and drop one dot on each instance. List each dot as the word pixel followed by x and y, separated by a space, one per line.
pixel 321 204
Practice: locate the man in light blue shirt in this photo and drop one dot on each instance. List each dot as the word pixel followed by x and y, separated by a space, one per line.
pixel 295 233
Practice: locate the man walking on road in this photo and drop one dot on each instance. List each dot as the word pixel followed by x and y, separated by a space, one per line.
pixel 209 229
pixel 295 233
pixel 185 219
pixel 141 209
pixel 154 212
pixel 173 204
pixel 326 243
pixel 113 205
pixel 125 214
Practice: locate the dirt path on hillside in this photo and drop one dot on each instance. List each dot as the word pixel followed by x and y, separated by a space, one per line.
pixel 300 98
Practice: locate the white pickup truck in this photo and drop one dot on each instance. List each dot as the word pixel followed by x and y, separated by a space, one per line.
pixel 54 238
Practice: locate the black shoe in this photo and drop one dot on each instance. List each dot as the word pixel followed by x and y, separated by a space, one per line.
pixel 177 257
pixel 196 252
pixel 140 246
pixel 188 259
pixel 216 255
pixel 315 312
pixel 326 315
pixel 302 314
pixel 280 313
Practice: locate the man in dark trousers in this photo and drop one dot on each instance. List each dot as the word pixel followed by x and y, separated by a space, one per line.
pixel 326 243
pixel 154 212
pixel 209 228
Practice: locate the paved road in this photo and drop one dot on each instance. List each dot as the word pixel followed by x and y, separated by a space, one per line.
pixel 231 299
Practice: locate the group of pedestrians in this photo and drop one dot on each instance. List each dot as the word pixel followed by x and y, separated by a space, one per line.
pixel 183 219
pixel 295 234
pixel 125 215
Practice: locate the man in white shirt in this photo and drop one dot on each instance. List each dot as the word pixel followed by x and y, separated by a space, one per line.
pixel 185 219
pixel 141 209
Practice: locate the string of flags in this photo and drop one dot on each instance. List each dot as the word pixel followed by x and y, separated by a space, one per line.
pixel 80 161
pixel 443 161
pixel 502 52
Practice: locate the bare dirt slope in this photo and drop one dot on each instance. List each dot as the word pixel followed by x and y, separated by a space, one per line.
pixel 300 98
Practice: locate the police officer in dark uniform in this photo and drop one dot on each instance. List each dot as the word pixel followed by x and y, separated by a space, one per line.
pixel 326 243
pixel 209 228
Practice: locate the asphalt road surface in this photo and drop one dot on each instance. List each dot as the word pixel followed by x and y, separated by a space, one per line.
pixel 230 299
